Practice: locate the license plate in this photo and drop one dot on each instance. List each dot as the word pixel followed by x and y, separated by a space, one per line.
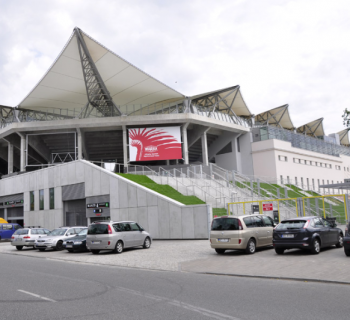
pixel 223 240
pixel 18 239
pixel 69 246
pixel 95 242
pixel 287 235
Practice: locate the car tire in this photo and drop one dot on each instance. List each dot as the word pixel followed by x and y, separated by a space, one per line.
pixel 340 242
pixel 59 246
pixel 41 249
pixel 220 251
pixel 315 246
pixel 119 247
pixel 19 247
pixel 95 251
pixel 70 250
pixel 251 246
pixel 347 252
pixel 147 243
pixel 279 250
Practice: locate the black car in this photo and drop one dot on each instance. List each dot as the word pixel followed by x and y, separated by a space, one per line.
pixel 77 243
pixel 310 233
pixel 347 240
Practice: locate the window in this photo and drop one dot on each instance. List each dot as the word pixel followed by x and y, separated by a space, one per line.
pixel 316 163
pixel 313 184
pixel 268 222
pixel 7 227
pixel 134 227
pixel 282 158
pixel 296 160
pixel 225 224
pixel 52 198
pixel 322 181
pixel 31 196
pixel 307 182
pixel 281 179
pixel 238 145
pixel 337 168
pixel 318 223
pixel 307 162
pixel 258 221
pixel 296 181
pixel 288 181
pixel 41 199
pixel 302 182
pixel 249 222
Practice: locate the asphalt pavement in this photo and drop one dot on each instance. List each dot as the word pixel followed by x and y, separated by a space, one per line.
pixel 49 289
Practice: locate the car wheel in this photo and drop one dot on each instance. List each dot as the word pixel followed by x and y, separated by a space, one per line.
pixel 41 249
pixel 220 251
pixel 59 246
pixel 251 246
pixel 119 247
pixel 340 242
pixel 95 251
pixel 347 252
pixel 19 247
pixel 147 243
pixel 315 246
pixel 279 250
pixel 70 250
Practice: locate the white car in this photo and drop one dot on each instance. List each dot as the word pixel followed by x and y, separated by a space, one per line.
pixel 25 237
pixel 54 240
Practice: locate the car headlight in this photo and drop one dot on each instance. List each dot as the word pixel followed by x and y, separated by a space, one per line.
pixel 77 242
pixel 64 243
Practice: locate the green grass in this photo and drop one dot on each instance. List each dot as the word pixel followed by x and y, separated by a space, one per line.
pixel 219 212
pixel 165 190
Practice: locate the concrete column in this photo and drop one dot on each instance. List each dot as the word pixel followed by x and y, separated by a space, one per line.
pixel 125 147
pixel 5 214
pixel 80 146
pixel 185 143
pixel 168 162
pixel 204 149
pixel 23 153
pixel 10 158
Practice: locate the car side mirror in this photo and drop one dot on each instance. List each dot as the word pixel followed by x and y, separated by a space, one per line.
pixel 141 229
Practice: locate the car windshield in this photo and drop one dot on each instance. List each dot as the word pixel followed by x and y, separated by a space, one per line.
pixel 57 232
pixel 21 232
pixel 83 232
pixel 225 224
pixel 291 224
pixel 98 229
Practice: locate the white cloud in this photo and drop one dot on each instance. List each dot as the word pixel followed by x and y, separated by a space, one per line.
pixel 279 52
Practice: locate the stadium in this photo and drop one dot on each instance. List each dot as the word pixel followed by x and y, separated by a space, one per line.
pixel 94 117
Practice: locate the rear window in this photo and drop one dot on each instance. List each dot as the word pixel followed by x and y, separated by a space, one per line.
pixel 20 232
pixel 98 229
pixel 225 224
pixel 291 224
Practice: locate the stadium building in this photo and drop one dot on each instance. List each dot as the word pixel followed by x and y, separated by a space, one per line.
pixel 93 114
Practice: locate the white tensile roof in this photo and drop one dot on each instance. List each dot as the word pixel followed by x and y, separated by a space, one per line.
pixel 344 137
pixel 63 86
pixel 278 117
pixel 312 128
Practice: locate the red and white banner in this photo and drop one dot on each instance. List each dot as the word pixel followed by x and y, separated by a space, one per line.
pixel 267 206
pixel 162 143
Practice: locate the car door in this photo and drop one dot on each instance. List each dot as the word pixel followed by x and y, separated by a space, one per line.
pixel 323 231
pixel 269 229
pixel 128 235
pixel 332 233
pixel 260 231
pixel 138 236
pixel 7 231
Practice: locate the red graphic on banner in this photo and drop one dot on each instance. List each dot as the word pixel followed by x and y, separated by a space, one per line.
pixel 154 144
pixel 267 206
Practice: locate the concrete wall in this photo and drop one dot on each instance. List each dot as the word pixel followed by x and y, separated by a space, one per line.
pixel 163 217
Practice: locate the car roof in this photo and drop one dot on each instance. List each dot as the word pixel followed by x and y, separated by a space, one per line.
pixel 108 222
pixel 301 218
pixel 243 216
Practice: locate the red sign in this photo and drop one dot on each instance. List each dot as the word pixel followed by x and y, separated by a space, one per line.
pixel 267 206
pixel 163 143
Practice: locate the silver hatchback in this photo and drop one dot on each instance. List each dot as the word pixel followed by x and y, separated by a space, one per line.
pixel 116 236
pixel 26 237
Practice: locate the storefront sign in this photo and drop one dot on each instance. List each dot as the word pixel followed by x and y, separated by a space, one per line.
pixel 267 206
pixel 161 143
pixel 10 203
pixel 91 205
pixel 97 205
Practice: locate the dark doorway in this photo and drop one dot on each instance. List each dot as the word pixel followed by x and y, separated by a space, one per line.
pixel 76 219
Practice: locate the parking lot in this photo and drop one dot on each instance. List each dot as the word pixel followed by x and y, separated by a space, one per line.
pixel 197 256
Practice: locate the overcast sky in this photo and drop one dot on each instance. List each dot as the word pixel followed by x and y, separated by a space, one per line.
pixel 278 51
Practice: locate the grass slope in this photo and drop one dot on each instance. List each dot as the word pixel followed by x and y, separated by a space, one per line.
pixel 165 190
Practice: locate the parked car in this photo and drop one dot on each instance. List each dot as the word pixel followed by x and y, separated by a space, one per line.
pixel 245 233
pixel 77 243
pixel 116 236
pixel 347 240
pixel 26 237
pixel 54 240
pixel 8 229
pixel 310 233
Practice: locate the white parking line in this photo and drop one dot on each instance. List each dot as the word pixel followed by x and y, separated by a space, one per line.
pixel 36 295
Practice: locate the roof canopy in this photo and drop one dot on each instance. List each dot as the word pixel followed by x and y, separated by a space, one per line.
pixel 228 100
pixel 278 117
pixel 63 86
pixel 344 137
pixel 313 128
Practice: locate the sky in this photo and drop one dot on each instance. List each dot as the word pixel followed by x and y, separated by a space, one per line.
pixel 278 51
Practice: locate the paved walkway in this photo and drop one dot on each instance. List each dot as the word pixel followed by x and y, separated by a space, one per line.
pixel 197 256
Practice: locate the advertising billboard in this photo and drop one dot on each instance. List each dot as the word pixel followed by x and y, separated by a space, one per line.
pixel 149 144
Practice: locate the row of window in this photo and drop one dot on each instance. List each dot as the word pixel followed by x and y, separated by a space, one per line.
pixel 312 163
pixel 306 183
pixel 41 199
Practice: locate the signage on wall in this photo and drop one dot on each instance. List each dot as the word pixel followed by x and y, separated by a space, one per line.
pixel 10 203
pixel 267 206
pixel 97 205
pixel 161 143
pixel 97 210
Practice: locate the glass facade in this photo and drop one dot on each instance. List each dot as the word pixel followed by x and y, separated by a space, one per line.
pixel 31 196
pixel 41 199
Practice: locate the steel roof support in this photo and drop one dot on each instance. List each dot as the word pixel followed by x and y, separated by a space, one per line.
pixel 96 90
